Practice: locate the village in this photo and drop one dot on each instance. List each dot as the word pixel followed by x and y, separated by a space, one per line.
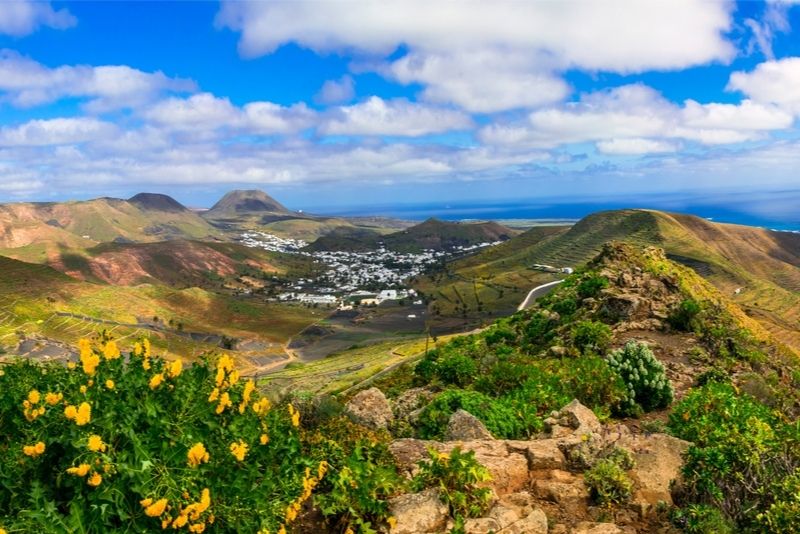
pixel 356 278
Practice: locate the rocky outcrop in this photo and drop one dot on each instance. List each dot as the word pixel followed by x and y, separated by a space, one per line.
pixel 574 418
pixel 516 513
pixel 370 408
pixel 464 426
pixel 419 513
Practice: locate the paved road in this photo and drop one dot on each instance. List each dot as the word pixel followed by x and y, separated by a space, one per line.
pixel 537 292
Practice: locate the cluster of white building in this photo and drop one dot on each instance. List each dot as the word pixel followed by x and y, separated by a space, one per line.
pixel 381 273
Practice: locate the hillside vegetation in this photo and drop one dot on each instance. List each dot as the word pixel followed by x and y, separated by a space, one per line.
pixel 138 443
pixel 763 265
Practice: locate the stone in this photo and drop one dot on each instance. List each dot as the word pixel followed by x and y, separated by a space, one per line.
pixel 508 468
pixel 542 454
pixel 409 404
pixel 515 513
pixel 371 408
pixel 659 458
pixel 580 418
pixel 560 492
pixel 586 527
pixel 419 513
pixel 464 426
pixel 408 452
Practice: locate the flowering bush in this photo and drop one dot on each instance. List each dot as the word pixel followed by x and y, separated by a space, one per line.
pixel 139 443
pixel 648 385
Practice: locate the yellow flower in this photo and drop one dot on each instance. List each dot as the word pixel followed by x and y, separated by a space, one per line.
pixel 214 395
pixel 322 469
pixel 248 390
pixel 282 530
pixel 156 380
pixel 88 358
pixel 81 471
pixel 291 512
pixel 392 522
pixel 137 349
pixel 262 406
pixel 197 528
pixel 154 509
pixel 53 398
pixel 146 502
pixel 349 531
pixel 70 412
pixel 264 439
pixel 83 389
pixel 95 480
pixel 180 521
pixel 71 365
pixel 96 444
pixel 34 397
pixel 110 351
pixel 110 384
pixel 84 414
pixel 34 450
pixel 146 347
pixel 195 510
pixel 295 415
pixel 239 450
pixel 3 531
pixel 197 455
pixel 175 368
pixel 224 402
pixel 165 523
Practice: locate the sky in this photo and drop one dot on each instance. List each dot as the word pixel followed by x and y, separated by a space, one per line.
pixel 333 105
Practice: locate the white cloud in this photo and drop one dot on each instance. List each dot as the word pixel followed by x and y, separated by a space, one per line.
pixel 23 17
pixel 25 82
pixel 399 117
pixel 482 81
pixel 634 146
pixel 55 132
pixel 337 91
pixel 772 82
pixel 492 56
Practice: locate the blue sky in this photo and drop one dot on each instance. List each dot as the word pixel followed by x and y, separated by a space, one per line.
pixel 335 104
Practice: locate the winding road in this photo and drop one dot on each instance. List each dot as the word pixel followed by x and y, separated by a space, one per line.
pixel 536 292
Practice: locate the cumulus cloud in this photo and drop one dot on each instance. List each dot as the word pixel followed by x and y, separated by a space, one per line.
pixel 636 113
pixel 337 91
pixel 772 82
pixel 23 17
pixel 25 82
pixel 492 56
pixel 634 146
pixel 398 117
pixel 55 132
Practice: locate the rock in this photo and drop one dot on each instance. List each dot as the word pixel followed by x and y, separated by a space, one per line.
pixel 371 408
pixel 658 460
pixel 514 514
pixel 621 307
pixel 464 426
pixel 576 418
pixel 542 454
pixel 408 405
pixel 586 527
pixel 561 492
pixel 419 513
pixel 408 452
pixel 557 351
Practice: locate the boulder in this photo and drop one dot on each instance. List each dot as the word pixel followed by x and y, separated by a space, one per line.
pixel 513 514
pixel 659 458
pixel 464 426
pixel 574 418
pixel 408 404
pixel 561 490
pixel 419 513
pixel 371 408
pixel 542 454
pixel 586 527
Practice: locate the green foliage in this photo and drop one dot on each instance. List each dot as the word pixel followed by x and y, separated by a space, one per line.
pixel 684 316
pixel 355 494
pixel 591 285
pixel 115 431
pixel 608 483
pixel 499 417
pixel 702 519
pixel 459 477
pixel 647 383
pixel 539 329
pixel 591 337
pixel 457 369
pixel 743 457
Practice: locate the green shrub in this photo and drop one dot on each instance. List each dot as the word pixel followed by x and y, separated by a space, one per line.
pixel 539 330
pixel 499 417
pixel 702 519
pixel 783 515
pixel 137 444
pixel 497 335
pixel 457 369
pixel 355 494
pixel 684 316
pixel 459 478
pixel 608 483
pixel 742 459
pixel 565 307
pixel 647 383
pixel 591 285
pixel 591 336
